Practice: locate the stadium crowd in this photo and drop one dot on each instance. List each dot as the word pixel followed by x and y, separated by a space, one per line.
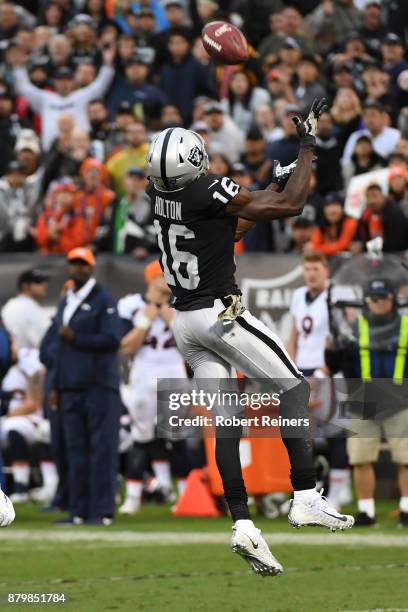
pixel 85 85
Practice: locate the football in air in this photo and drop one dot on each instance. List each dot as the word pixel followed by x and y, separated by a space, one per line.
pixel 225 43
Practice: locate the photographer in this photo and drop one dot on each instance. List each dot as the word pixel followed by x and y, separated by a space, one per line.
pixel 376 355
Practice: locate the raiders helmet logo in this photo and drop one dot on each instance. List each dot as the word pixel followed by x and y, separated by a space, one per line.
pixel 195 157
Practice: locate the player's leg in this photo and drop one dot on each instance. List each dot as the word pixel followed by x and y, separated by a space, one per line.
pixel 209 369
pixel 18 434
pixel 46 493
pixel 254 349
pixel 137 462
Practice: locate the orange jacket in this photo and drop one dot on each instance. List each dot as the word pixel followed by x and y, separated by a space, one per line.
pixel 93 206
pixel 71 235
pixel 324 243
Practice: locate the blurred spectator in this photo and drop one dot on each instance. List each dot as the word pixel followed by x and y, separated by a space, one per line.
pixel 377 86
pixel 219 164
pixel 52 16
pixel 177 20
pixel 382 218
pixel 59 53
pixel 384 138
pixel 278 82
pixel 182 77
pixel 342 78
pixel 133 154
pixel 226 136
pixel 85 73
pixel 117 136
pixel 284 24
pixel 398 183
pixel 10 127
pixel 364 159
pixel 265 120
pixel 82 33
pixel 51 104
pixel 23 315
pixel 286 148
pixel 328 153
pixel 301 236
pixel 101 129
pixel 95 202
pixel 335 232
pixel 254 158
pixel 331 22
pixel 290 54
pixel 170 116
pixel 132 227
pixel 243 99
pixel 12 18
pixel 346 114
pixel 308 87
pixel 372 29
pixel 60 228
pixel 17 208
pixel 392 50
pixel 65 162
pixel 145 100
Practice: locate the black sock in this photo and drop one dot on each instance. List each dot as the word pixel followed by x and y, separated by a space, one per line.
pixel 229 467
pixel 298 439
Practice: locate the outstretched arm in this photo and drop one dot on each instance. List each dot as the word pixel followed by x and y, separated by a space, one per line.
pixel 265 205
pixel 280 176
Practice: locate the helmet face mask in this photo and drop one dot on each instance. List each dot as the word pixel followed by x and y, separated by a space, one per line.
pixel 176 158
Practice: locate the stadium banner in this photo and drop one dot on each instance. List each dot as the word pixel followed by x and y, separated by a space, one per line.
pixel 267 281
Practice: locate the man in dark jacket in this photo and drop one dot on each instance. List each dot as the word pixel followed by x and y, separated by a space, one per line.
pixel 145 100
pixel 87 329
pixel 183 77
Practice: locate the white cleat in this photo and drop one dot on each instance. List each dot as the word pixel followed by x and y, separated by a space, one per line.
pixel 250 544
pixel 19 498
pixel 317 512
pixel 43 495
pixel 7 513
pixel 129 506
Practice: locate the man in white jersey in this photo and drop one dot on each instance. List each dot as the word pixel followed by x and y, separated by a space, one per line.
pixel 310 329
pixel 24 425
pixel 151 345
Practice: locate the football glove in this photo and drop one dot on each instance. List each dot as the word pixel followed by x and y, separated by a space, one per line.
pixel 281 174
pixel 7 514
pixel 307 129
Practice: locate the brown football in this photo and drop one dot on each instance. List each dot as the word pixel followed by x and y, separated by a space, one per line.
pixel 225 42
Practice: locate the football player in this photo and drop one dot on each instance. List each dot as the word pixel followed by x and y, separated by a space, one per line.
pixel 310 330
pixel 198 217
pixel 151 346
pixel 24 425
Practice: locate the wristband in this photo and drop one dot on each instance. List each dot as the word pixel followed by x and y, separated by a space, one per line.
pixel 144 323
pixel 308 142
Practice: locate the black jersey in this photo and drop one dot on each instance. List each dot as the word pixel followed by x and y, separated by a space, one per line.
pixel 196 239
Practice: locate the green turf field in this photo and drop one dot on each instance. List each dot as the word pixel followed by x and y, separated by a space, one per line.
pixel 153 562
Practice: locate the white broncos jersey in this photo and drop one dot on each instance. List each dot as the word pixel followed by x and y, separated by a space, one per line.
pixel 17 378
pixel 311 319
pixel 159 353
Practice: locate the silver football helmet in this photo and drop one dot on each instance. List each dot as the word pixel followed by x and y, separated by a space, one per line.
pixel 176 158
